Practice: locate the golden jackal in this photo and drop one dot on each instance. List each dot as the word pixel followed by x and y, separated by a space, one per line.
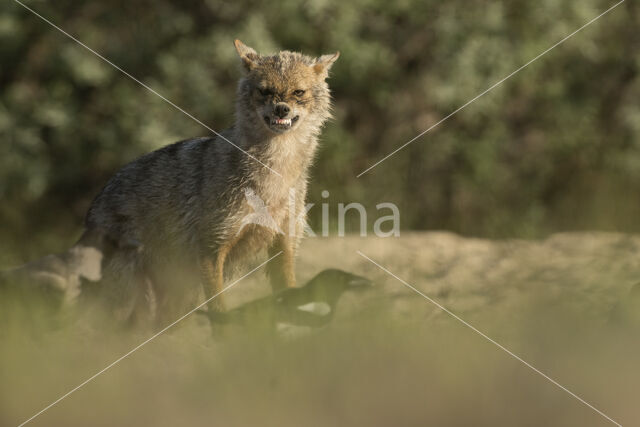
pixel 186 202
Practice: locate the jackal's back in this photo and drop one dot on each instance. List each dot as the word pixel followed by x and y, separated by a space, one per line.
pixel 168 197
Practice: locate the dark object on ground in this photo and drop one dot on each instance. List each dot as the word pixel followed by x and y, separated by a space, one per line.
pixel 295 309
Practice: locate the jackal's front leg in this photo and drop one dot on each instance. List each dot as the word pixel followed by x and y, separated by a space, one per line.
pixel 281 269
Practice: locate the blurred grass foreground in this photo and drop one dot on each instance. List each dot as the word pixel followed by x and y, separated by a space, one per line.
pixel 389 357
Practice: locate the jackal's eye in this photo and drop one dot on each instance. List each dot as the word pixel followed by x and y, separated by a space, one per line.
pixel 298 92
pixel 265 91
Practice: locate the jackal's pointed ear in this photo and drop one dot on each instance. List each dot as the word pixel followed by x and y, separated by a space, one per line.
pixel 324 63
pixel 248 55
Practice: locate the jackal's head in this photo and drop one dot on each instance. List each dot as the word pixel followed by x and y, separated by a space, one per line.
pixel 284 91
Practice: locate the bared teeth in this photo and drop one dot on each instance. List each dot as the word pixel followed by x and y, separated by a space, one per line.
pixel 282 121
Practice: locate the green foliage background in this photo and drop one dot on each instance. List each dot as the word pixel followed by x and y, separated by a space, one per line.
pixel 555 147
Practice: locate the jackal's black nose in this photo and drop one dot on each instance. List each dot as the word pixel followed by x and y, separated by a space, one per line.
pixel 282 110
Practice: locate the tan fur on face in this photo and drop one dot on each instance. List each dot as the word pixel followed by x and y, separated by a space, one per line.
pixel 277 79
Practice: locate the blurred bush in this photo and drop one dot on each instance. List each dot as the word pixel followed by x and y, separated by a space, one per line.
pixel 555 147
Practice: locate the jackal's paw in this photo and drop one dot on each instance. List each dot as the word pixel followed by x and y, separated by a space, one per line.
pixel 216 306
pixel 217 321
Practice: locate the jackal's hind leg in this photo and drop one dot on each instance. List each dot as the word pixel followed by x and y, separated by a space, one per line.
pixel 212 277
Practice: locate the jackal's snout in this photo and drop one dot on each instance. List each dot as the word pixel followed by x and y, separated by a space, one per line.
pixel 281 110
pixel 281 117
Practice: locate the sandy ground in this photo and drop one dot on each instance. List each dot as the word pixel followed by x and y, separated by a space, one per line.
pixel 587 272
pixel 390 357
